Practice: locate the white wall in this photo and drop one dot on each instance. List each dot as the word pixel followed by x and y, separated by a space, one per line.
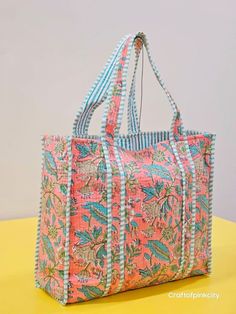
pixel 51 52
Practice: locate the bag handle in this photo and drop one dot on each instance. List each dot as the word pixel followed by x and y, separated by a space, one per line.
pixel 94 95
pixel 98 94
pixel 133 121
pixel 115 102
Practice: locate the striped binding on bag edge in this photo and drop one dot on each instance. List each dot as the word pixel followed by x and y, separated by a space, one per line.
pixel 67 227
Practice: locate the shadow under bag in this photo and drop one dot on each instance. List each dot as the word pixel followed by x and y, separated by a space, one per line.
pixel 121 212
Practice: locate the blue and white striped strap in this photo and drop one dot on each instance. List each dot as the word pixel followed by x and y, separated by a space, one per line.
pixel 98 94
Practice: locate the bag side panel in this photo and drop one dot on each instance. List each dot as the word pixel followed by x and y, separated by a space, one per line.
pixel 202 151
pixel 50 260
pixel 88 231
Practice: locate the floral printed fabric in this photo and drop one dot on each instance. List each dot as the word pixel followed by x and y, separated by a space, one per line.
pixel 153 208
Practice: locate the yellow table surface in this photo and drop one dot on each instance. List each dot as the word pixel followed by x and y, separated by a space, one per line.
pixel 18 294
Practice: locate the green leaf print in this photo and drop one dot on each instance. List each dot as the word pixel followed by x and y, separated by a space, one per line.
pixel 84 236
pixel 63 188
pixel 166 206
pixel 91 292
pixel 196 272
pixel 150 193
pixel 134 224
pixel 155 268
pixel 159 171
pixel 50 163
pixel 93 147
pixel 101 170
pixel 98 211
pixel 203 201
pixel 61 273
pixel 85 218
pixel 48 286
pixel 178 190
pixel 147 256
pixel 159 186
pixel 96 232
pixel 48 248
pixel 84 150
pixel 159 250
pixel 49 202
pixel 146 272
pixel 101 253
pixel 194 150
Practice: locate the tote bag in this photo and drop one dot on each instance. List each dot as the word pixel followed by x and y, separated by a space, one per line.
pixel 121 212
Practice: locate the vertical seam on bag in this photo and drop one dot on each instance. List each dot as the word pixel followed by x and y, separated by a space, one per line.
pixel 183 205
pixel 122 220
pixel 109 216
pixel 67 224
pixel 37 284
pixel 210 203
pixel 193 220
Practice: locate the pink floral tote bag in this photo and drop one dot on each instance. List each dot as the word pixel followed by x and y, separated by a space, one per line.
pixel 121 212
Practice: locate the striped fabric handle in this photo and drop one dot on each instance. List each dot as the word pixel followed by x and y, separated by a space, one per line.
pixel 133 119
pixel 98 94
pixel 115 103
pixel 94 97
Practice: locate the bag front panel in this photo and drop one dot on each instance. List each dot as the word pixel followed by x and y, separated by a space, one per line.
pixel 50 266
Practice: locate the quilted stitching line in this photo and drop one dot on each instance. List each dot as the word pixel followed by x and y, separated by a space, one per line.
pixel 67 225
pixel 193 220
pixel 109 216
pixel 122 221
pixel 183 205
